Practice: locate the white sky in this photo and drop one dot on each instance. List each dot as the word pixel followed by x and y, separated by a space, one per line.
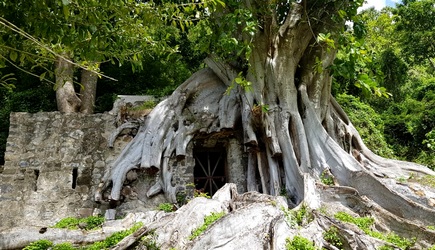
pixel 379 4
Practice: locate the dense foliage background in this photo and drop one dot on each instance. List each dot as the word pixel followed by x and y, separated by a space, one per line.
pixel 384 75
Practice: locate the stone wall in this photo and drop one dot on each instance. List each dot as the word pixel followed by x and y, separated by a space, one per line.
pixel 54 162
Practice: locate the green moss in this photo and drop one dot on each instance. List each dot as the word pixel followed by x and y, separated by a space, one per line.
pixel 362 222
pixel 427 180
pixel 90 222
pixel 39 245
pixel 114 239
pixel 145 105
pixel 365 223
pixel 299 243
pixel 208 220
pixel 109 242
pixel 386 247
pixel 64 246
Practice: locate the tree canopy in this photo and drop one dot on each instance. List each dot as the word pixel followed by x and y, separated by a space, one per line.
pixel 270 70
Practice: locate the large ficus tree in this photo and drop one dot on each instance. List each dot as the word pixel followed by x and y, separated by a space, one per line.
pixel 54 38
pixel 269 73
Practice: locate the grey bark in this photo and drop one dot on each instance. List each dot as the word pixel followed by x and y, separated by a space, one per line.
pixel 88 90
pixel 304 132
pixel 66 98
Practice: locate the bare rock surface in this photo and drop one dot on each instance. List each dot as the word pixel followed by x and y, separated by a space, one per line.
pixel 251 221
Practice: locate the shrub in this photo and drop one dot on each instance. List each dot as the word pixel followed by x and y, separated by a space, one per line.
pixel 368 123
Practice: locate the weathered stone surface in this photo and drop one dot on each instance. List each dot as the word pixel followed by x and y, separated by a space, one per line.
pixel 54 163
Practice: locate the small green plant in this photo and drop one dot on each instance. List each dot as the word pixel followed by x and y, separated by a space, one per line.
pixel 431 228
pixel 39 245
pixel 333 237
pixel 64 246
pixel 89 223
pixel 241 81
pixel 326 178
pixel 199 193
pixel 67 223
pixel 289 217
pixel 166 207
pixel 386 247
pixel 365 223
pixel 403 243
pixel 299 243
pixel 427 180
pixel 362 222
pixel 145 105
pixel 323 210
pixel 181 198
pixel 402 179
pixel 115 238
pixel 297 217
pixel 149 241
pixel 208 220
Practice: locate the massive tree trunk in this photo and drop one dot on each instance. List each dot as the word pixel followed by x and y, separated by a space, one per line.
pixel 66 98
pixel 290 118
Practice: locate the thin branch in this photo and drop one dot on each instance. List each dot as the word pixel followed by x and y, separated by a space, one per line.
pixel 24 52
pixel 25 71
pixel 21 32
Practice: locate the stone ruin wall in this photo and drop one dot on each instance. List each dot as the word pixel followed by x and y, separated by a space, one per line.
pixel 54 162
pixel 52 165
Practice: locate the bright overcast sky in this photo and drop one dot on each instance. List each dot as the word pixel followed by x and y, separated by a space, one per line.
pixel 379 4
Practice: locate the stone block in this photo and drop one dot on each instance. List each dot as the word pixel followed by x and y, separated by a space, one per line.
pixel 85 212
pixel 110 214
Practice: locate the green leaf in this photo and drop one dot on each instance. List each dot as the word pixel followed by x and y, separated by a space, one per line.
pixel 65 11
pixel 42 76
pixel 65 2
pixel 13 55
pixel 342 13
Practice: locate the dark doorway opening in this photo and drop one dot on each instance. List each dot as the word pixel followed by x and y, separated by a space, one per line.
pixel 210 170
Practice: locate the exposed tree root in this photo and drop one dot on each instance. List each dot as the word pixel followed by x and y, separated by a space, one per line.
pixel 293 131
